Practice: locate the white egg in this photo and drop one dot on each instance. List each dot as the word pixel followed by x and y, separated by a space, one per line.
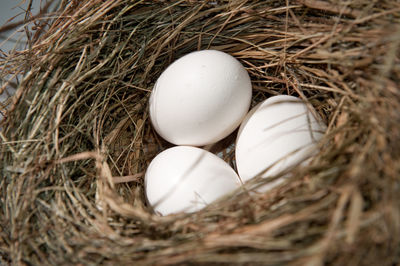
pixel 185 178
pixel 277 134
pixel 200 98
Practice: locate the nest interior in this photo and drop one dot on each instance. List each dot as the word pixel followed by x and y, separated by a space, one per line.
pixel 76 138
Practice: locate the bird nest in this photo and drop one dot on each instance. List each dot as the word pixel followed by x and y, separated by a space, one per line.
pixel 76 137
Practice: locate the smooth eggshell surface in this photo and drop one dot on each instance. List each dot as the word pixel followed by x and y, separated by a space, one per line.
pixel 276 135
pixel 185 178
pixel 200 98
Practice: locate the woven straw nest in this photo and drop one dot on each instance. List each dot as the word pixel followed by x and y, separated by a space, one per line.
pixel 77 136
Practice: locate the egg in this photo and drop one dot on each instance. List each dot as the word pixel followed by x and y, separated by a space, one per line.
pixel 200 98
pixel 186 179
pixel 276 135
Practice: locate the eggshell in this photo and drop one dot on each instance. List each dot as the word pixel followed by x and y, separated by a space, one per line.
pixel 275 135
pixel 185 178
pixel 200 98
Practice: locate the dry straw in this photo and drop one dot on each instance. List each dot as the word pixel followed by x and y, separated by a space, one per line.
pixel 77 139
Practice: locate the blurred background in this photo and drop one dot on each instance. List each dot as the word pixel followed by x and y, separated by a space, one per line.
pixel 11 12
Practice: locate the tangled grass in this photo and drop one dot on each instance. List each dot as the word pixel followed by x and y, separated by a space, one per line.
pixel 76 138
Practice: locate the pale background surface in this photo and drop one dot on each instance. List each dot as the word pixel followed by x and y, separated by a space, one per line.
pixel 9 9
